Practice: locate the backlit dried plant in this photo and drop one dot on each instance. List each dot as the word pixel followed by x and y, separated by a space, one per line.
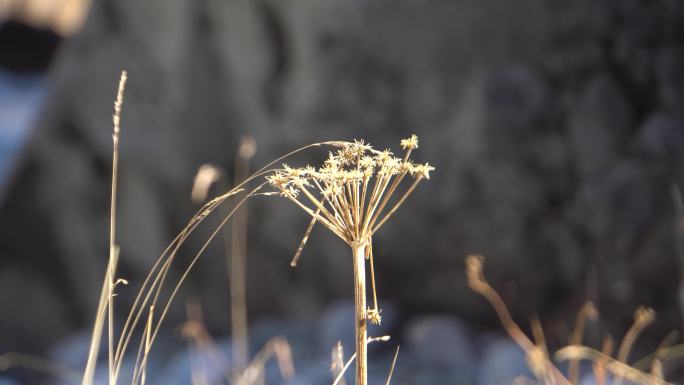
pixel 350 195
pixel 538 358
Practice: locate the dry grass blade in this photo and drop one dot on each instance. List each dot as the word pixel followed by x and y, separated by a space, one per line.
pixel 394 363
pixel 151 287
pixel 161 274
pixel 116 120
pixel 194 261
pixel 106 295
pixel 98 327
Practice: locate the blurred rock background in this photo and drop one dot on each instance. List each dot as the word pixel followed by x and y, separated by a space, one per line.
pixel 556 129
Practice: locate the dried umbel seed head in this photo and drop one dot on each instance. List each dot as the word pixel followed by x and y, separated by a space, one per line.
pixel 350 192
pixel 410 143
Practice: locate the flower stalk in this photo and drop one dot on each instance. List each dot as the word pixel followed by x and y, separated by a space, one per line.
pixel 360 310
pixel 351 194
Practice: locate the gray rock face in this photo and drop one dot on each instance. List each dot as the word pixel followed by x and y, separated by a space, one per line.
pixel 555 129
pixel 440 345
pixel 502 362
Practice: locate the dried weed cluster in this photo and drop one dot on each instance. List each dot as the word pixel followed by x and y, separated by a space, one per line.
pixel 350 191
pixel 540 362
pixel 351 194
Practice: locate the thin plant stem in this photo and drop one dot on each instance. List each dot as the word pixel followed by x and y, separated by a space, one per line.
pixel 148 330
pixel 194 260
pixel 478 283
pixel 619 369
pixel 295 259
pixel 588 311
pixel 394 363
pixel 116 119
pixel 372 274
pixel 396 206
pixel 642 318
pixel 339 377
pixel 359 261
pixel 238 300
pixel 89 372
pixel 106 295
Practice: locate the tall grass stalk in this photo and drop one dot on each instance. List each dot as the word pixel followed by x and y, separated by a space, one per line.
pixel 238 263
pixel 106 303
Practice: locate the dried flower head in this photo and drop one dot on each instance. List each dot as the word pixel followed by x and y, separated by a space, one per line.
pixel 410 143
pixel 350 193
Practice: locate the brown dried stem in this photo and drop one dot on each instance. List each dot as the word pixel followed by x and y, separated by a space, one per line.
pixel 361 320
pixel 619 369
pixel 588 311
pixel 536 356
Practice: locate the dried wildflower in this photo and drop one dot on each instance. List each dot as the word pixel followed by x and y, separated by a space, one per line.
pixel 410 143
pixel 350 195
pixel 352 188
pixel 423 170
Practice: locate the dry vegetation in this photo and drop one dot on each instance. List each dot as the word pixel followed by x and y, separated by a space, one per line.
pixel 353 194
pixel 349 195
pixel 538 357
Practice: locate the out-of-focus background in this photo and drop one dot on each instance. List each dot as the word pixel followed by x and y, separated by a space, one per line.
pixel 556 129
